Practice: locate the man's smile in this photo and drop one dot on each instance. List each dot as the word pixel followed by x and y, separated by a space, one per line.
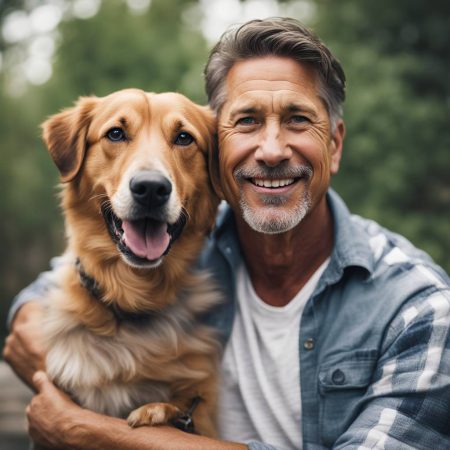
pixel 270 183
pixel 273 180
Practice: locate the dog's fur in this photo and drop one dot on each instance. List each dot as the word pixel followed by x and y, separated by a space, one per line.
pixel 148 370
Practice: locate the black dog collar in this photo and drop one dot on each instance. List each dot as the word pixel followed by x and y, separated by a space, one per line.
pixel 185 422
pixel 94 289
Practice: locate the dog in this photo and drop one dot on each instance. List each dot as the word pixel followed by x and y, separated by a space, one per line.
pixel 122 328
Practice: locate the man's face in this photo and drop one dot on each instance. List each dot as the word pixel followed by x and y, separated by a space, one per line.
pixel 276 149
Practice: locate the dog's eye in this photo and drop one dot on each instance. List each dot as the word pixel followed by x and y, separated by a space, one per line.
pixel 184 138
pixel 116 134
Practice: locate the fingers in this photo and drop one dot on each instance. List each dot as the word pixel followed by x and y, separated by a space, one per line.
pixel 23 349
pixel 28 312
pixel 49 413
pixel 16 356
pixel 41 381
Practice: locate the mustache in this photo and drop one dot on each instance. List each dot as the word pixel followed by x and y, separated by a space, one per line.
pixel 281 171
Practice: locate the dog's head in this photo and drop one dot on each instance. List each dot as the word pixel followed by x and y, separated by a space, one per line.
pixel 137 162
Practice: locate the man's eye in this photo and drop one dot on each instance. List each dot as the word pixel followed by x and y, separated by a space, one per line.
pixel 116 134
pixel 246 121
pixel 184 139
pixel 299 119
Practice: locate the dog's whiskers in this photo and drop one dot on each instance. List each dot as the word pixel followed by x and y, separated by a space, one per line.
pixel 106 206
pixel 184 213
pixel 93 197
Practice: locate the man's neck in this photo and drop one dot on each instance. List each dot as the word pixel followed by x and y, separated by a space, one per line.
pixel 279 265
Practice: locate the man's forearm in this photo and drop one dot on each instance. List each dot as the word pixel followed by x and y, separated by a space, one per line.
pixel 93 431
pixel 55 421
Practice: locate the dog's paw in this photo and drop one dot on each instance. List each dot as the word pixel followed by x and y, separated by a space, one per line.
pixel 153 414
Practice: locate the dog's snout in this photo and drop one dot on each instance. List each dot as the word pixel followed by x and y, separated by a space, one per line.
pixel 150 188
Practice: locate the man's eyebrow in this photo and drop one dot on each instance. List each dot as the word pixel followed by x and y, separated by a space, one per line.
pixel 244 109
pixel 298 107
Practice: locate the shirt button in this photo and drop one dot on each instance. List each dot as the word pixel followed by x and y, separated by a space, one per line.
pixel 338 377
pixel 309 344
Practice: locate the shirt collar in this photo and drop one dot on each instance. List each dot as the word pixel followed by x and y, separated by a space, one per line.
pixel 351 242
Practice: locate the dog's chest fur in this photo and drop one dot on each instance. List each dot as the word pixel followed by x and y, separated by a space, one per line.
pixel 115 374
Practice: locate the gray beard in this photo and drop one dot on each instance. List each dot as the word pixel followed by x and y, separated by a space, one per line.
pixel 270 219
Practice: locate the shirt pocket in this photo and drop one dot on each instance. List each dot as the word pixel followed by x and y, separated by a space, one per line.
pixel 342 385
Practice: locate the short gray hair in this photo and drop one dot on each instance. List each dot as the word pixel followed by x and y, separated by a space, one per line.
pixel 276 36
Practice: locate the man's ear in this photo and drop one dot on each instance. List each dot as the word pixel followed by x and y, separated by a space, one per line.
pixel 337 141
pixel 65 135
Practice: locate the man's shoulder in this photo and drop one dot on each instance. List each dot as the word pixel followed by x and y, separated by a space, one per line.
pixel 391 260
pixel 394 254
pixel 401 287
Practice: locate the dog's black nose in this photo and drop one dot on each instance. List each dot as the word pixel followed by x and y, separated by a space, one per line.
pixel 150 188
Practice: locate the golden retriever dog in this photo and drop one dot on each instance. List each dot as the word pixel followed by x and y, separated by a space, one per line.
pixel 122 328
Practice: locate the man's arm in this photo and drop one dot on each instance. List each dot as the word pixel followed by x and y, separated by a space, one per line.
pixel 23 349
pixel 56 422
pixel 408 404
pixel 39 288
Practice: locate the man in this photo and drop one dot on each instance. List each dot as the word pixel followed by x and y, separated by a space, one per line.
pixel 336 330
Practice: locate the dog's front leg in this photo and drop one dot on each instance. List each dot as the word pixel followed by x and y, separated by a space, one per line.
pixel 153 414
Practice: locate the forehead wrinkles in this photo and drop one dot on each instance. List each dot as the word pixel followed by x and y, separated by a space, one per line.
pixel 269 85
pixel 273 101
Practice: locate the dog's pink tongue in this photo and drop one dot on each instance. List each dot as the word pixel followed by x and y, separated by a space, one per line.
pixel 146 238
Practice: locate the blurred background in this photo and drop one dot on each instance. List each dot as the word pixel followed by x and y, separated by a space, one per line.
pixel 396 56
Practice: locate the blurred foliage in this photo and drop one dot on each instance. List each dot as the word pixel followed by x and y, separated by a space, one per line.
pixel 395 166
pixel 396 161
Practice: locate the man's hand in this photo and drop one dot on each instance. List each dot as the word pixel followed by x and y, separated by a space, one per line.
pixel 56 422
pixel 24 350
pixel 49 414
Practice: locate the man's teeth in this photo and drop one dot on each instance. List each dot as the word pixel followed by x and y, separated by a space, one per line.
pixel 272 183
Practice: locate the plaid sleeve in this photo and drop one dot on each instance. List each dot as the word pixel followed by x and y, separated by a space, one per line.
pixel 408 403
pixel 38 289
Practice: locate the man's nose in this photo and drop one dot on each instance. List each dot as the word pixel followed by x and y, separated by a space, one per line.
pixel 272 149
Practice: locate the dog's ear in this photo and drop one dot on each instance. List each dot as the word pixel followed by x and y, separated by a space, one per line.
pixel 213 167
pixel 65 135
pixel 213 152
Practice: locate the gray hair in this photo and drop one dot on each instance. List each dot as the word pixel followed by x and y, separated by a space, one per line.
pixel 276 36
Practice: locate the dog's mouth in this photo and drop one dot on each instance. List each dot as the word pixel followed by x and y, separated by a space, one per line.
pixel 144 241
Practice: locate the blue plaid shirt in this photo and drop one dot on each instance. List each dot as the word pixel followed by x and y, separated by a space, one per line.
pixel 374 338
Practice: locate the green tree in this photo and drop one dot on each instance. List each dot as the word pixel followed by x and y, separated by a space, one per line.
pixel 155 51
pixel 395 167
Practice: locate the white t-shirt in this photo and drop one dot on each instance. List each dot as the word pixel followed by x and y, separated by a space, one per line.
pixel 259 396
